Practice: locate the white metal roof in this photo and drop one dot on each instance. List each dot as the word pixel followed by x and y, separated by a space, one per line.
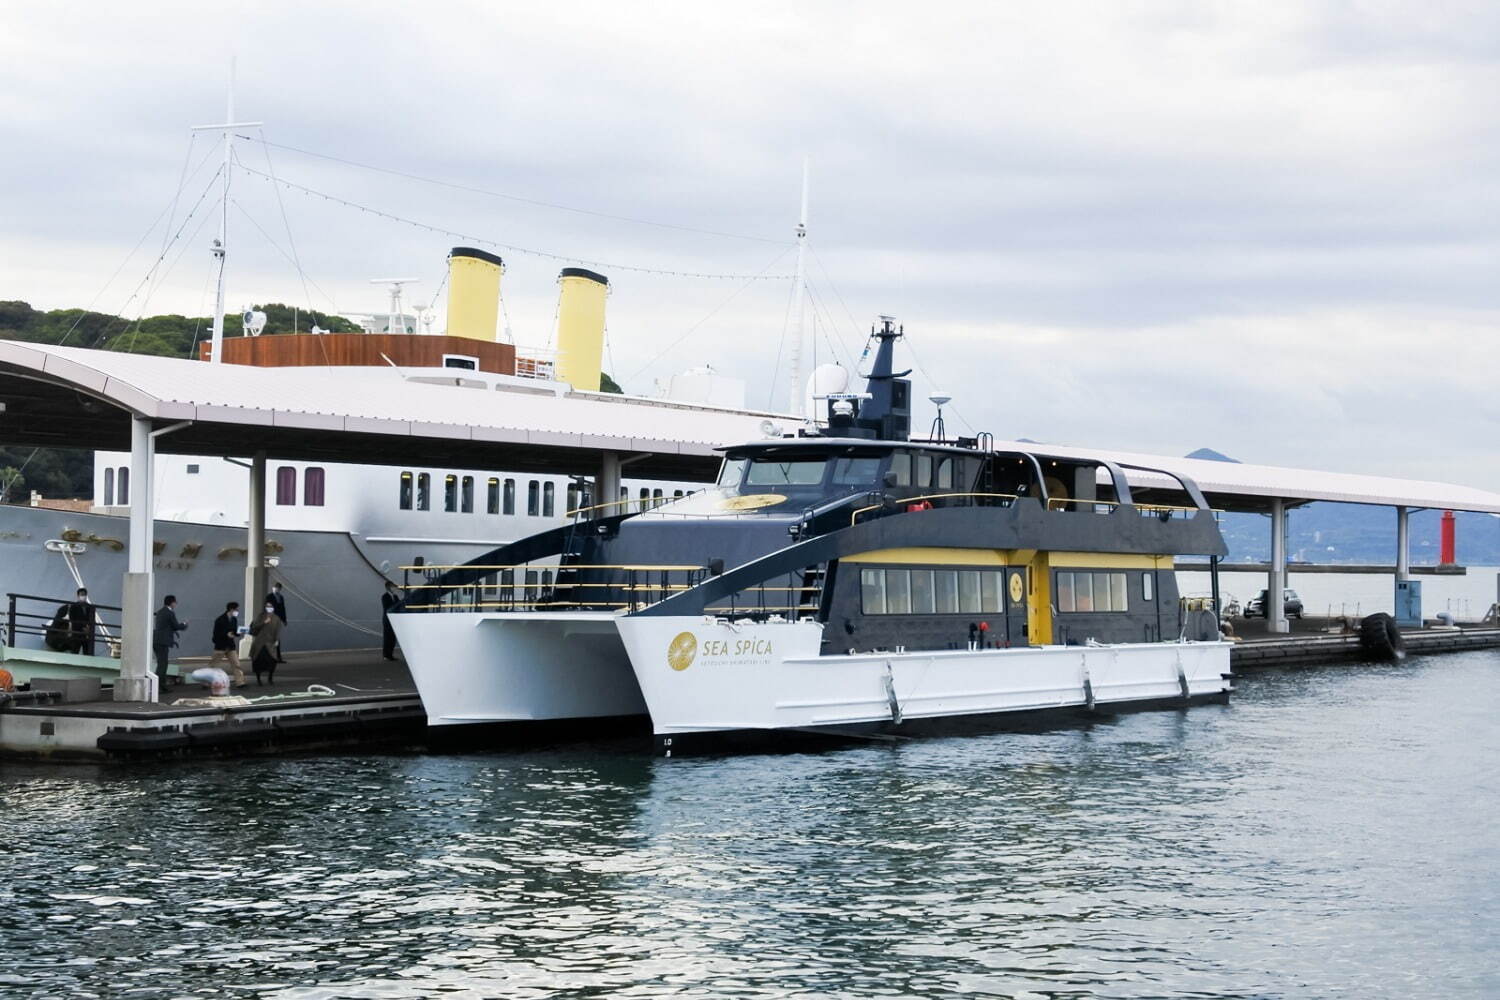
pixel 1224 480
pixel 381 401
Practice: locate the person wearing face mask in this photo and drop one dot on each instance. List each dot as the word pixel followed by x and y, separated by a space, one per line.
pixel 267 632
pixel 226 639
pixel 277 602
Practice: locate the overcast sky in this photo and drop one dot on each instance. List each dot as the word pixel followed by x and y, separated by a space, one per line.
pixel 1272 229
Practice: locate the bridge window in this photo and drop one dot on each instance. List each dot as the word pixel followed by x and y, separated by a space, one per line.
pixel 467 496
pixel 492 496
pixel 424 491
pixel 510 497
pixel 312 486
pixel 944 480
pixel 549 499
pixel 533 499
pixel 901 466
pixel 855 471
pixel 286 486
pixel 924 470
pixel 109 487
pixel 785 472
pixel 406 488
pixel 122 495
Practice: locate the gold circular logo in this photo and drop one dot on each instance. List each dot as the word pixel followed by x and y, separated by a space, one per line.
pixel 751 501
pixel 682 650
pixel 1017 588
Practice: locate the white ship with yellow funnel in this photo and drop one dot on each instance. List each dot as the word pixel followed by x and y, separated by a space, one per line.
pixel 337 531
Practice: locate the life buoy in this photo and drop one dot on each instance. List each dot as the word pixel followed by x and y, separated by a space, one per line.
pixel 7 682
pixel 1380 638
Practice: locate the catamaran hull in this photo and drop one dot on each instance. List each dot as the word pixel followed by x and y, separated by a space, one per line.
pixel 712 684
pixel 477 668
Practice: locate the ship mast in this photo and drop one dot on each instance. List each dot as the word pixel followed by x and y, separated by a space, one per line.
pixel 795 402
pixel 221 245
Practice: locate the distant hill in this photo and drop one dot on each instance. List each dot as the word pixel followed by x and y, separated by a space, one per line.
pixel 1209 455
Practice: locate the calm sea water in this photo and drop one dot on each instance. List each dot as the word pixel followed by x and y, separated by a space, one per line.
pixel 1333 832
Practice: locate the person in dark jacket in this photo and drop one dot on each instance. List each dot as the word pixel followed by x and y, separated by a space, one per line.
pixel 388 600
pixel 227 641
pixel 164 637
pixel 267 631
pixel 278 602
pixel 81 621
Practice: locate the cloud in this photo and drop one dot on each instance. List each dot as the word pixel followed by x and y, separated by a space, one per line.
pixel 1264 228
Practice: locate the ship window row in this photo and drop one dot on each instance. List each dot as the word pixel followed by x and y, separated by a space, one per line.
pixel 459 495
pixel 932 591
pixel 117 486
pixel 313 484
pixel 1092 592
pixel 500 496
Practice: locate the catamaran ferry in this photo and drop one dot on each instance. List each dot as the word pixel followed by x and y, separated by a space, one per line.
pixel 846 581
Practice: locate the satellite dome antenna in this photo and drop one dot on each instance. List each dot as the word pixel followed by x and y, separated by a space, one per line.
pixel 397 317
pixel 939 399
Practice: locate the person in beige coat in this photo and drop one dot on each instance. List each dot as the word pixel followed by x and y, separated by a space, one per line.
pixel 267 631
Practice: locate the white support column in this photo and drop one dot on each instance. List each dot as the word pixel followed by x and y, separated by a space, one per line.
pixel 1403 546
pixel 255 541
pixel 1275 604
pixel 137 680
pixel 607 484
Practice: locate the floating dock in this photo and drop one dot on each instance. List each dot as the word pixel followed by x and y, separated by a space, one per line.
pixel 319 700
pixel 375 704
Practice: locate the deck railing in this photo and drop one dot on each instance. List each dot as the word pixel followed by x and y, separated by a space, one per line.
pixel 33 615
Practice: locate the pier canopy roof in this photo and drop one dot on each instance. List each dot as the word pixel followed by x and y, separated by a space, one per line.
pixel 76 397
pixel 1240 487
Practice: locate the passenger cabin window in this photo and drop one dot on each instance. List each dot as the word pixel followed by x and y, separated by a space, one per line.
pixel 312 486
pixel 533 498
pixel 1091 592
pixel 406 487
pixel 424 491
pixel 931 591
pixel 466 495
pixel 286 486
pixel 122 486
pixel 109 487
pixel 510 497
pixel 549 499
pixel 492 496
pixel 572 501
pixel 450 494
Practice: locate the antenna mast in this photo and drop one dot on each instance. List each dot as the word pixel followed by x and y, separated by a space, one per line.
pixel 795 402
pixel 221 245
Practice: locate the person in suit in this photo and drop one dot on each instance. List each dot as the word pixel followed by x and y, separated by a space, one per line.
pixel 267 632
pixel 388 600
pixel 227 640
pixel 164 637
pixel 81 622
pixel 278 602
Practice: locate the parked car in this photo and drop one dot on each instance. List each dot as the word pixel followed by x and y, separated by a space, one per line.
pixel 1290 602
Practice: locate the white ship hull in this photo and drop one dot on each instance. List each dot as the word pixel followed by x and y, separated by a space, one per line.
pixel 702 678
pixel 474 668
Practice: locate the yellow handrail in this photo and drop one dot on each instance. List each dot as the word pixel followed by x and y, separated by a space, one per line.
pixel 929 496
pixel 548 566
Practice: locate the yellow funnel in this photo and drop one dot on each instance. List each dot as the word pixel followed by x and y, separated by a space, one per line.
pixel 580 327
pixel 474 293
